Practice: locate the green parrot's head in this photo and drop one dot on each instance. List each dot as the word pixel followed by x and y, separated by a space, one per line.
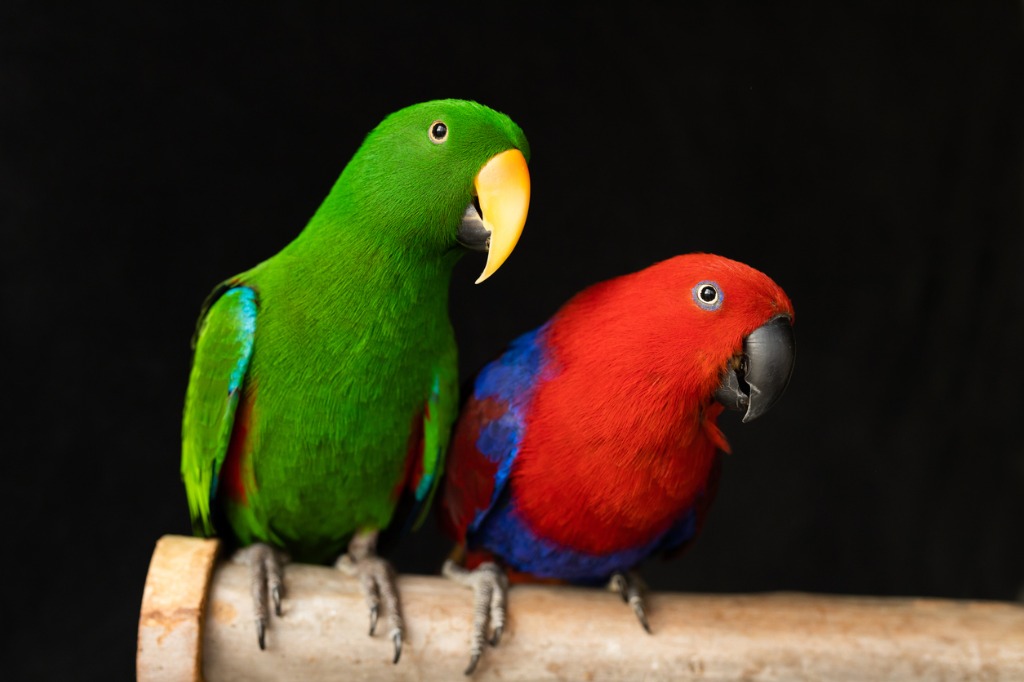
pixel 441 174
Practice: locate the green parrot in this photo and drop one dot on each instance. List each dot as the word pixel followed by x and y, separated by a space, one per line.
pixel 324 381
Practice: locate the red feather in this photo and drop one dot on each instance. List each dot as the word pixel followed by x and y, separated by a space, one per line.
pixel 621 442
pixel 239 452
pixel 475 472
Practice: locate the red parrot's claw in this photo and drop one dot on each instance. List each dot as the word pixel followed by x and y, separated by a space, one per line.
pixel 490 588
pixel 638 608
pixel 496 636
pixel 630 588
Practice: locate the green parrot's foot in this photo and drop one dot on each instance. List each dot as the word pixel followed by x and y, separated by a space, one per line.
pixel 377 579
pixel 266 568
pixel 490 596
pixel 631 588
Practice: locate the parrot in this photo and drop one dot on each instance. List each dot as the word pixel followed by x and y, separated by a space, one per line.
pixel 323 384
pixel 592 442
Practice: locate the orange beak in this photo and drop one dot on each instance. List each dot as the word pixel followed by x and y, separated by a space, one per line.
pixel 503 189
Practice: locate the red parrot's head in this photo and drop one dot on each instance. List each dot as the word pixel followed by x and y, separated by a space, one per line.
pixel 751 307
pixel 721 329
pixel 742 321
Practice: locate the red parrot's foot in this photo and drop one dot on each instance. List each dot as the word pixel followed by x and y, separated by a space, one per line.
pixel 630 587
pixel 490 592
pixel 377 579
pixel 266 568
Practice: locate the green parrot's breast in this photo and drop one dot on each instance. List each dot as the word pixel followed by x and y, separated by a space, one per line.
pixel 337 389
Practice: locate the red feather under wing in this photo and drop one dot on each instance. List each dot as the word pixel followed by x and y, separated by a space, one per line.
pixel 413 459
pixel 237 458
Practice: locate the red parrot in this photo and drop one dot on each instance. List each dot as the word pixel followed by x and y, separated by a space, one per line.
pixel 592 442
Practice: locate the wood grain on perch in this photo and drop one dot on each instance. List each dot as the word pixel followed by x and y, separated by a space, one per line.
pixel 556 633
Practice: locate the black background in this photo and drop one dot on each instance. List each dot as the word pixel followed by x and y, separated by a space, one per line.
pixel 869 161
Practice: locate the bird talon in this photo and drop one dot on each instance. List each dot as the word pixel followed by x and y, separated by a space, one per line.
pixel 377 582
pixel 642 615
pixel 490 586
pixel 266 574
pixel 620 586
pixel 374 614
pixel 630 588
pixel 276 594
pixel 474 659
pixel 396 637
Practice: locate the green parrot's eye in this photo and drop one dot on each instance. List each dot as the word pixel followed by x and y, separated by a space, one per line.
pixel 707 295
pixel 438 132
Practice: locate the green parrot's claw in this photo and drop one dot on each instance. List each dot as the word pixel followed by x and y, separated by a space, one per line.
pixel 261 632
pixel 396 637
pixel 377 581
pixel 374 613
pixel 276 594
pixel 473 660
pixel 266 576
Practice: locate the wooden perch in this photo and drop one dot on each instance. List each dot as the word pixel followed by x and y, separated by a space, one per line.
pixel 197 616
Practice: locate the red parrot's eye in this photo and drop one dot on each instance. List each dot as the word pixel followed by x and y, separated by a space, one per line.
pixel 707 296
pixel 438 132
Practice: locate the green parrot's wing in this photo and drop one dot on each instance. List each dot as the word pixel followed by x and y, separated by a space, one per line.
pixel 438 415
pixel 223 346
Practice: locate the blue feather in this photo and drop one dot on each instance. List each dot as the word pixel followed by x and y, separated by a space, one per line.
pixel 509 380
pixel 506 534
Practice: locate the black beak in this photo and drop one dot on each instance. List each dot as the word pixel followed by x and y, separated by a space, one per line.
pixel 758 377
pixel 472 234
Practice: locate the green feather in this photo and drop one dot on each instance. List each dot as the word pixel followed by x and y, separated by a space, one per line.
pixel 351 346
pixel 223 347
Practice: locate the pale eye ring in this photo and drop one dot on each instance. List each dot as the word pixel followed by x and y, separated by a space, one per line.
pixel 438 132
pixel 708 295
